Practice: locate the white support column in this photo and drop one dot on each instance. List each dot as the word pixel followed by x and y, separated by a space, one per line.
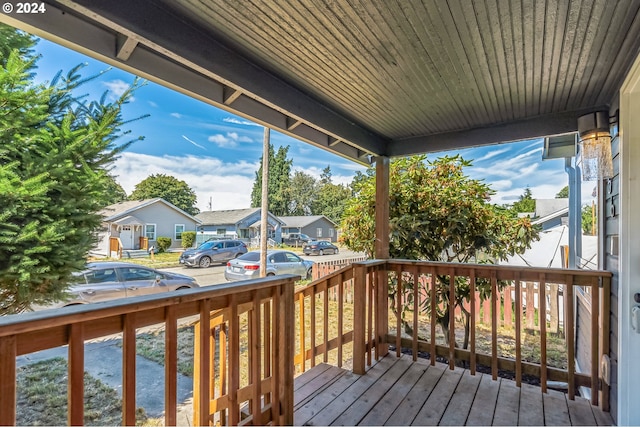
pixel 629 280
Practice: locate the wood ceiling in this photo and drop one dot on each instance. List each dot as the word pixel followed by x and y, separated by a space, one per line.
pixel 370 77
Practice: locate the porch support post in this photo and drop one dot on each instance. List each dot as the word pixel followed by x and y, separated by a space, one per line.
pixel 382 252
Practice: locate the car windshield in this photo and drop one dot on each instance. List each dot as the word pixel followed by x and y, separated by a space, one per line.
pixel 250 256
pixel 207 245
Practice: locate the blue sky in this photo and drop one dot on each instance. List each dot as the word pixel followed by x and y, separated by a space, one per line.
pixel 217 153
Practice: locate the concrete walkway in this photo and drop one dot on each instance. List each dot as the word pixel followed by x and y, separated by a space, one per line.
pixel 103 360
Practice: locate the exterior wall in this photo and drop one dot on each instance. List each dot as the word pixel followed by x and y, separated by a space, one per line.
pixel 546 207
pixel 610 197
pixel 328 232
pixel 165 219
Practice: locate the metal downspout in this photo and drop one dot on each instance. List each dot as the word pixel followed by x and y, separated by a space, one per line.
pixel 571 172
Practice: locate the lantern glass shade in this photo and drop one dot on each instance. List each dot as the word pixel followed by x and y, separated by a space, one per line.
pixel 595 146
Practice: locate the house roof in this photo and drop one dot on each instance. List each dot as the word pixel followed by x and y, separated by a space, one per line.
pixel 303 221
pixel 231 216
pixel 118 211
pixel 373 78
pixel 554 215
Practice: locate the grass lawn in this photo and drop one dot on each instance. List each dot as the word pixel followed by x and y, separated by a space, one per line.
pixel 42 397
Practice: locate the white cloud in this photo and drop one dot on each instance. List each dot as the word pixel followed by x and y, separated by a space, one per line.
pixel 229 184
pixel 231 140
pixel 153 104
pixel 240 122
pixel 118 87
pixel 194 143
pixel 492 154
pixel 176 115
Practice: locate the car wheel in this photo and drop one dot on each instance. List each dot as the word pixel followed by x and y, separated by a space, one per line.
pixel 309 273
pixel 182 287
pixel 270 274
pixel 238 254
pixel 335 251
pixel 205 262
pixel 320 252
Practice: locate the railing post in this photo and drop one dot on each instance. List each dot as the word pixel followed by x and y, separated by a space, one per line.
pixel 285 359
pixel 359 318
pixel 8 354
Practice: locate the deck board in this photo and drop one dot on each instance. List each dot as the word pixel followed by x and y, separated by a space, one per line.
pixel 398 391
pixel 483 407
pixel 406 412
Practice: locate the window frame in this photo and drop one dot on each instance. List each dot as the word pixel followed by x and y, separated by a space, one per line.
pixel 176 233
pixel 153 233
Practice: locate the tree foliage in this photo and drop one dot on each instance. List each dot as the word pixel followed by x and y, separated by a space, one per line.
pixel 331 198
pixel 526 203
pixel 302 194
pixel 170 188
pixel 563 193
pixel 55 152
pixel 437 213
pixel 279 183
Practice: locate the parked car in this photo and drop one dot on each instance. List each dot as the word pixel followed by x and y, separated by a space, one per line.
pixel 213 251
pixel 296 239
pixel 320 248
pixel 278 262
pixel 103 281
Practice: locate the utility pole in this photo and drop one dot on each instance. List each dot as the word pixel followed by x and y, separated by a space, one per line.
pixel 265 204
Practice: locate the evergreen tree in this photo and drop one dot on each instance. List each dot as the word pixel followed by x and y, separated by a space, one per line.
pixel 279 184
pixel 331 198
pixel 55 152
pixel 525 203
pixel 170 188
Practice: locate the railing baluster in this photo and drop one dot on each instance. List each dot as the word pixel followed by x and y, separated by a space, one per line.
pixel 129 370
pixel 518 314
pixel 325 323
pixel 416 311
pixel 341 285
pixel 400 294
pixel 223 366
pixel 278 353
pixel 595 332
pixel 8 354
pixel 570 333
pixel 542 319
pixel 434 306
pixel 201 371
pixel 452 318
pixel 254 354
pixel 370 311
pixel 234 361
pixel 75 381
pixel 266 363
pixel 170 366
pixel 312 318
pixel 494 326
pixel 472 320
pixel 303 328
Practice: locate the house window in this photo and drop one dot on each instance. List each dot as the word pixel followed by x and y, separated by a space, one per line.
pixel 179 231
pixel 331 232
pixel 150 231
pixel 222 231
pixel 319 232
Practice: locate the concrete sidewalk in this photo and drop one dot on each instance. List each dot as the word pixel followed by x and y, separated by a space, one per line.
pixel 103 360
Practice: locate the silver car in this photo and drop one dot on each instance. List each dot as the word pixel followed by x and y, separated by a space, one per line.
pixel 103 281
pixel 278 262
pixel 213 251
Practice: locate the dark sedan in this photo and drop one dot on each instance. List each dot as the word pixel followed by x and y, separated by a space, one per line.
pixel 320 248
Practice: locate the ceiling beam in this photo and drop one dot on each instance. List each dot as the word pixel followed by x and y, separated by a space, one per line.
pixel 537 127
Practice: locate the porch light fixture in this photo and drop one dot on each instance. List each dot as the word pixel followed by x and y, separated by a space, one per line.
pixel 595 146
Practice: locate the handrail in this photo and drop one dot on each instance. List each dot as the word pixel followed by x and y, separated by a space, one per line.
pixel 267 302
pixel 359 294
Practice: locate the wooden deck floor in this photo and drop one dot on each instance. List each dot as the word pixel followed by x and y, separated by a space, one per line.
pixel 398 391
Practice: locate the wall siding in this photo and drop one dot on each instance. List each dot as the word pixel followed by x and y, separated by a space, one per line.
pixel 610 198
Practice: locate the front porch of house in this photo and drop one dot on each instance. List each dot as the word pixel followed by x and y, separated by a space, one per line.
pixel 399 391
pixel 268 352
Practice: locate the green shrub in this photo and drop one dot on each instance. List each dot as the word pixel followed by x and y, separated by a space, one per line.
pixel 164 243
pixel 188 237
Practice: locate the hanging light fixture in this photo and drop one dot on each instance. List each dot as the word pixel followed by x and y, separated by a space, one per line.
pixel 595 146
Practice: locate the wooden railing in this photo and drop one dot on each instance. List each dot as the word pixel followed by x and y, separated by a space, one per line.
pixel 323 268
pixel 264 307
pixel 366 324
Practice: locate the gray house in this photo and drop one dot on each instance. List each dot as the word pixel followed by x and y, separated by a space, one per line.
pixel 318 227
pixel 136 224
pixel 237 223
